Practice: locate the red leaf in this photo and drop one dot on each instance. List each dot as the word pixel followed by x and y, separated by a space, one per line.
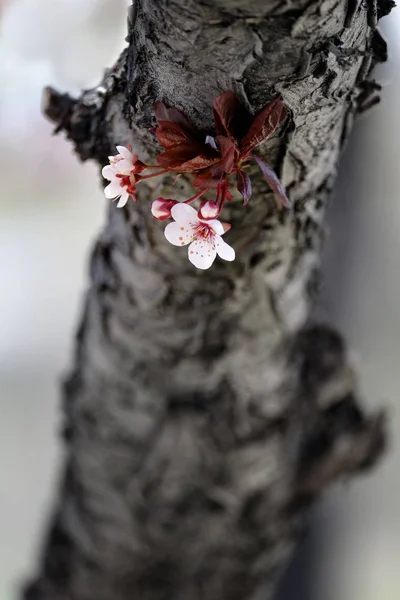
pixel 186 158
pixel 173 115
pixel 171 135
pixel 227 148
pixel 273 181
pixel 209 179
pixel 244 186
pixel 264 124
pixel 178 155
pixel 197 163
pixel 231 117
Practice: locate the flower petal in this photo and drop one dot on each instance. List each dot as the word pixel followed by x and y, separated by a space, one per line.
pixel 108 172
pixel 123 200
pixel 216 226
pixel 184 214
pixel 125 153
pixel 178 235
pixel 208 210
pixel 113 189
pixel 161 208
pixel 223 249
pixel 202 254
pixel 123 166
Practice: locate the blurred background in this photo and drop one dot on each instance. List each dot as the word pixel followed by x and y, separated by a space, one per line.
pixel 51 208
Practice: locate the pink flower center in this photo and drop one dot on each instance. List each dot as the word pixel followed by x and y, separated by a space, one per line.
pixel 203 231
pixel 127 182
pixel 136 163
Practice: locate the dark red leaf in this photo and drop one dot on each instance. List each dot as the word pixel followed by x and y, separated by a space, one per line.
pixel 244 186
pixel 264 124
pixel 227 148
pixel 273 181
pixel 196 164
pixel 209 179
pixel 205 183
pixel 180 154
pixel 231 117
pixel 171 135
pixel 173 115
pixel 186 158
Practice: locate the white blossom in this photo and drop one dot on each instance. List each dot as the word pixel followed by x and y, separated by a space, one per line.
pixel 203 236
pixel 121 175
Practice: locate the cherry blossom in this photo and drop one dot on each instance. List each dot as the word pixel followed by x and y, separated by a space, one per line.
pixel 124 161
pixel 124 173
pixel 208 210
pixel 203 236
pixel 161 208
pixel 121 174
pixel 214 161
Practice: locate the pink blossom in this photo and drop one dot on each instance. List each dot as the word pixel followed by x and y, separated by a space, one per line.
pixel 161 208
pixel 208 210
pixel 203 236
pixel 124 161
pixel 121 173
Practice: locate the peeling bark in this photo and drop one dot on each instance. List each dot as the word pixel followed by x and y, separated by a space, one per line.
pixel 204 413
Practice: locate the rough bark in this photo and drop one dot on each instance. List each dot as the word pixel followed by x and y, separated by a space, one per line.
pixel 204 412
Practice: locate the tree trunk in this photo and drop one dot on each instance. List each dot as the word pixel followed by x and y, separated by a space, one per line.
pixel 204 412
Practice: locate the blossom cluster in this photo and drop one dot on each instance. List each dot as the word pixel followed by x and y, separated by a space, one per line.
pixel 214 161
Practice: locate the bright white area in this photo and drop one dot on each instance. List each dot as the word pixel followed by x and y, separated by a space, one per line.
pixel 51 207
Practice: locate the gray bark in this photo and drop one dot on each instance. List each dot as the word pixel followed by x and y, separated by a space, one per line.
pixel 205 413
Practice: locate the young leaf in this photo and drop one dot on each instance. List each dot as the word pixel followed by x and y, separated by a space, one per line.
pixel 273 181
pixel 186 158
pixel 227 148
pixel 196 164
pixel 170 135
pixel 173 115
pixel 244 186
pixel 209 179
pixel 230 116
pixel 264 124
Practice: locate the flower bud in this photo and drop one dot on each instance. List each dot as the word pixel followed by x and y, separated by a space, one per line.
pixel 208 210
pixel 161 208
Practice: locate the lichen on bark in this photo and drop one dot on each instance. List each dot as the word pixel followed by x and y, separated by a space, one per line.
pixel 204 412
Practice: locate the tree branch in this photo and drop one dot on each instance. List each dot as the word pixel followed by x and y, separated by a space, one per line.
pixel 203 413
